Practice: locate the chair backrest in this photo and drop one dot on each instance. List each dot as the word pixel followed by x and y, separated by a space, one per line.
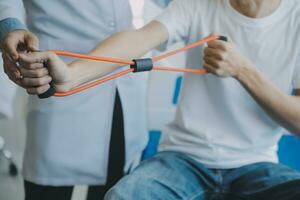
pixel 289 148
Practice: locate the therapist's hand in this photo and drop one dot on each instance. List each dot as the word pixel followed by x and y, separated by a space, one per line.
pixel 224 59
pixel 36 77
pixel 14 43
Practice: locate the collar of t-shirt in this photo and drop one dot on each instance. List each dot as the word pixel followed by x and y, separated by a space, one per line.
pixel 257 22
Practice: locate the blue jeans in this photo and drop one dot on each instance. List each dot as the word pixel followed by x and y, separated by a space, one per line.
pixel 172 175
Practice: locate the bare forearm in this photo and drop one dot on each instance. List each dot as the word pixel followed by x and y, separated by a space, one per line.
pixel 281 107
pixel 125 45
pixel 116 46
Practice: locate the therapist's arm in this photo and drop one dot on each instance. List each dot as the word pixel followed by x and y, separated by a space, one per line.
pixel 14 37
pixel 225 60
pixel 125 45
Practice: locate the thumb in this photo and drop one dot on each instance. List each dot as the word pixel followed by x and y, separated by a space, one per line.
pixel 222 37
pixel 32 42
pixel 34 57
pixel 10 47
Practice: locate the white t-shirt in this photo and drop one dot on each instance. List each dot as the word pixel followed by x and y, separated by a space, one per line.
pixel 217 122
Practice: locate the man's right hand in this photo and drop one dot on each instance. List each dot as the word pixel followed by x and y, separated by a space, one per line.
pixel 36 77
pixel 14 43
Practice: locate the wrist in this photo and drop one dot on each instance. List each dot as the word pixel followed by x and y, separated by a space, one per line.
pixel 9 25
pixel 245 71
pixel 66 85
pixel 74 76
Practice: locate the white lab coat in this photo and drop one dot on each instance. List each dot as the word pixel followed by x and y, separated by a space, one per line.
pixel 68 138
pixel 7 93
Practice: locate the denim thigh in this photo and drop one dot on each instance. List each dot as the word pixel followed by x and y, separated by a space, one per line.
pixel 264 181
pixel 166 176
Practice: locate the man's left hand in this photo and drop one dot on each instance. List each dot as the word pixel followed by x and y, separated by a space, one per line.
pixel 224 59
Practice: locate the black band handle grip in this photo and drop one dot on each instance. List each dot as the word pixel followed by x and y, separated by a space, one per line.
pixel 223 38
pixel 50 92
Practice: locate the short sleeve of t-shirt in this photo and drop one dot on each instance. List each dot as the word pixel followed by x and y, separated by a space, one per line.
pixel 177 19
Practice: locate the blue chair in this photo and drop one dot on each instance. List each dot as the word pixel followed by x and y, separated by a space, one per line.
pixel 289 148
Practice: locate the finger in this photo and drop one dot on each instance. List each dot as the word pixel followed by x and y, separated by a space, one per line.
pixel 213 70
pixel 211 61
pixel 34 57
pixel 32 42
pixel 36 73
pixel 36 82
pixel 209 68
pixel 13 78
pixel 219 34
pixel 37 90
pixel 31 66
pixel 10 47
pixel 17 82
pixel 216 53
pixel 10 68
pixel 218 44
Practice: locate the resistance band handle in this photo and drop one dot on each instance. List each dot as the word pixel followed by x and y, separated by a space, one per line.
pixel 142 65
pixel 50 92
pixel 223 38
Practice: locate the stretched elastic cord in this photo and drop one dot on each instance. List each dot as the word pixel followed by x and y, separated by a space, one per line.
pixel 93 84
pixel 130 63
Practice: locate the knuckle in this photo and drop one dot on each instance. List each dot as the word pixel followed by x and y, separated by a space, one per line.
pixel 24 81
pixel 205 58
pixel 206 50
pixel 206 67
pixel 222 56
pixel 217 64
pixel 218 72
pixel 41 90
pixel 39 73
pixel 30 34
pixel 32 66
pixel 40 81
pixel 44 71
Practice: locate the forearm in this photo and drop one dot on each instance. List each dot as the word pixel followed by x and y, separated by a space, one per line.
pixel 125 45
pixel 121 45
pixel 281 107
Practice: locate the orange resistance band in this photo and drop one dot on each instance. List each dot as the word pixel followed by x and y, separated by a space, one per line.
pixel 126 62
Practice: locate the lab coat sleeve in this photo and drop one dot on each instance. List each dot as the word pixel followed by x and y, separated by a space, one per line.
pixel 10 24
pixel 11 9
pixel 11 16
